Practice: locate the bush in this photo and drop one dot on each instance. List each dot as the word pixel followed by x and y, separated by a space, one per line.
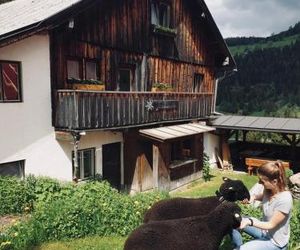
pixel 17 195
pixel 81 210
pixel 13 196
pixel 206 167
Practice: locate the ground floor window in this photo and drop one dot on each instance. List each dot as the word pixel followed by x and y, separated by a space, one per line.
pixel 15 168
pixel 86 163
pixel 181 150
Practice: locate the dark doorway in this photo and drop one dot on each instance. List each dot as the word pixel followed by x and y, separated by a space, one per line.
pixel 111 162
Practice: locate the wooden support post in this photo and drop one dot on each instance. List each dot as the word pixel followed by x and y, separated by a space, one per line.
pixel 155 165
pixel 245 135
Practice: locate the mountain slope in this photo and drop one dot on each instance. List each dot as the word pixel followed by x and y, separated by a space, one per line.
pixel 268 77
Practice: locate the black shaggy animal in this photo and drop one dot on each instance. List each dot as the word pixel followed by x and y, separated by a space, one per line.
pixel 230 190
pixel 199 232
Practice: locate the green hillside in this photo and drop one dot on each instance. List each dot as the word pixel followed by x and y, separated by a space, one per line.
pixel 268 79
pixel 264 44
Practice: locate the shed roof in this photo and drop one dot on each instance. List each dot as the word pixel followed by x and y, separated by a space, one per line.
pixel 264 124
pixel 175 131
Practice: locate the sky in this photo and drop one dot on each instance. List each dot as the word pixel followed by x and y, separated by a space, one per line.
pixel 254 17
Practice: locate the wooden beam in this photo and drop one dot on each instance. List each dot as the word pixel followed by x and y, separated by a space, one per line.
pixel 155 165
pixel 245 135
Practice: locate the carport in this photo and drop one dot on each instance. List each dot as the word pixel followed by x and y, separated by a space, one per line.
pixel 228 126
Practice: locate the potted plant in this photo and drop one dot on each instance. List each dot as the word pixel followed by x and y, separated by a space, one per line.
pixel 158 29
pixel 161 86
pixel 86 84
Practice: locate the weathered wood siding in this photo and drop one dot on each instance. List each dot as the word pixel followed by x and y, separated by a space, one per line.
pixel 119 32
pixel 94 110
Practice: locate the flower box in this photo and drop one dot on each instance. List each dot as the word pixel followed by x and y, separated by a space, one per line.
pixel 161 87
pixel 161 30
pixel 82 84
pixel 97 87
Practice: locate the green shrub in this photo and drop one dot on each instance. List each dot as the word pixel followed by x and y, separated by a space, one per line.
pixel 17 195
pixel 13 195
pixel 206 167
pixel 295 226
pixel 81 210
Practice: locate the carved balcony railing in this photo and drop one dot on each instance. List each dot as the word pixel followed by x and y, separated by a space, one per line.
pixel 78 110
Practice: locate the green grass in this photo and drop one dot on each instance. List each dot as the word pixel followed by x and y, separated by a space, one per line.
pixel 195 189
pixel 88 243
pixel 202 189
pixel 235 50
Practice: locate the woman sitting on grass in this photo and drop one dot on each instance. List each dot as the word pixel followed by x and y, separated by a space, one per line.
pixel 273 231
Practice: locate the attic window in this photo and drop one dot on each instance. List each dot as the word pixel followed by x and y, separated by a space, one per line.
pixel 161 14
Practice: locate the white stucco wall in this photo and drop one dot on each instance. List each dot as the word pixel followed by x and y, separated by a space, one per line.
pixel 25 128
pixel 211 145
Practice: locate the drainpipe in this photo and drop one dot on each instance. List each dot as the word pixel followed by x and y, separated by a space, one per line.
pixel 218 80
pixel 76 138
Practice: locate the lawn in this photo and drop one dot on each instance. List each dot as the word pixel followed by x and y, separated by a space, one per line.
pixel 196 189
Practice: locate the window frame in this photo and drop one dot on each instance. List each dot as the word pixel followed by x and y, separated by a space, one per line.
pixel 83 69
pixel 20 96
pixel 198 89
pixel 88 60
pixel 182 150
pixel 156 14
pixel 21 167
pixel 80 67
pixel 81 166
pixel 132 69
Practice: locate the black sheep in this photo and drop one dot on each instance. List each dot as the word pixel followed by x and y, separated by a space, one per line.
pixel 198 232
pixel 230 190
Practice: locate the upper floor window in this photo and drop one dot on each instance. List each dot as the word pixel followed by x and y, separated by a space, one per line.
pixel 197 84
pixel 82 69
pixel 126 78
pixel 161 14
pixel 74 69
pixel 10 83
pixel 91 70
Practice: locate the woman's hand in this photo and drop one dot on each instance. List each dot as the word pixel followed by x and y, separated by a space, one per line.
pixel 245 222
pixel 246 201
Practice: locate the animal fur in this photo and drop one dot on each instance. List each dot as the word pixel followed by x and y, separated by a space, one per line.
pixel 200 232
pixel 230 190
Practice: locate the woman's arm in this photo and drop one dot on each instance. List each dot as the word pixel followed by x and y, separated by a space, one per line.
pixel 276 219
pixel 254 197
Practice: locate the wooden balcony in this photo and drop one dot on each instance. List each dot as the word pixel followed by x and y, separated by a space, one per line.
pixel 78 110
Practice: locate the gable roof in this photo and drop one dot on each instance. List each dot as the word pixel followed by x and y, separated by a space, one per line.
pixel 21 17
pixel 18 14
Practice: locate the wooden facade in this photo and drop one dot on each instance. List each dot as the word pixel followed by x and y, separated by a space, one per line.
pixel 131 54
pixel 118 34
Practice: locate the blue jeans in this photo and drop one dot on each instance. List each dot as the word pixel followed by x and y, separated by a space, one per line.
pixel 260 242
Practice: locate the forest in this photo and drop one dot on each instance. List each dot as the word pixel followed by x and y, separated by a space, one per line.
pixel 267 82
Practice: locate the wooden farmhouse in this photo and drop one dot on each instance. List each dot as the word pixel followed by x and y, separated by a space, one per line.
pixel 118 88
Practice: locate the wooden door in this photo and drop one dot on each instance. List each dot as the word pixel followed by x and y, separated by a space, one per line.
pixel 112 164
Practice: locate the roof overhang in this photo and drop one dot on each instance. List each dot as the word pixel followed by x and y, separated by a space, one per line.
pixel 166 133
pixel 254 123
